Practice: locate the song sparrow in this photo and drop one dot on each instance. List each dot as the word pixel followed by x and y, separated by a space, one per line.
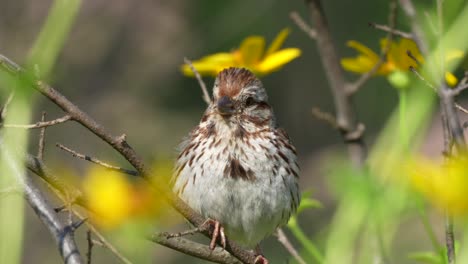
pixel 237 167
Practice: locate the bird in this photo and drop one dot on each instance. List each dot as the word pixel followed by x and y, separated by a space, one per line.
pixel 237 167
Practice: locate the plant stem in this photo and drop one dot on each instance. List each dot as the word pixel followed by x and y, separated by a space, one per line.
pixel 302 238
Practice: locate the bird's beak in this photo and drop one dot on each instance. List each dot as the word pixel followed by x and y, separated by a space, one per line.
pixel 225 106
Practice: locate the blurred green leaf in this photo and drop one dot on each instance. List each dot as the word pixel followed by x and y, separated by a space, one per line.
pixel 426 257
pixel 48 45
pixel 307 202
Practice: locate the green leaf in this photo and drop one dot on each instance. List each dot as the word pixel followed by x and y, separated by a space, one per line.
pixel 49 43
pixel 308 203
pixel 426 257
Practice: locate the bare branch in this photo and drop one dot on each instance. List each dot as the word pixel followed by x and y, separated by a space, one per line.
pixel 9 65
pixel 354 87
pixel 345 114
pixel 283 239
pixel 4 108
pixel 63 235
pixel 195 249
pixel 411 55
pixel 90 247
pixel 413 70
pixel 64 190
pixel 297 19
pixel 206 95
pixel 57 121
pixel 430 85
pixel 325 117
pixel 391 30
pixel 96 161
pixel 40 149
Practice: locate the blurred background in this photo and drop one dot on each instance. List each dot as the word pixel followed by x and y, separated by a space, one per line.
pixel 121 64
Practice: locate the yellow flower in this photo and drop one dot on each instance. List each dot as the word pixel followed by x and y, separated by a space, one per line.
pixel 444 186
pixel 251 55
pixel 397 60
pixel 113 199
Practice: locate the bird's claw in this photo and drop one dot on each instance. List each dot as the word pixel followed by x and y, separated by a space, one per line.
pixel 218 232
pixel 260 259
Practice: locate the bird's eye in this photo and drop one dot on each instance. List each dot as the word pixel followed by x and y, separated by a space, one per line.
pixel 250 101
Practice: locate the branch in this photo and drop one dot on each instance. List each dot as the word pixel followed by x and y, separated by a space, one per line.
pixel 206 95
pixel 345 114
pixel 41 124
pixel 303 25
pixel 283 239
pixel 194 249
pixel 36 166
pixel 120 144
pixel 96 161
pixel 4 108
pixel 40 148
pixel 90 246
pixel 392 30
pixel 63 235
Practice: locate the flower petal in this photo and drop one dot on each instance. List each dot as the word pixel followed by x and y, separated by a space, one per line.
pixel 251 50
pixel 451 79
pixel 403 61
pixel 365 51
pixel 278 41
pixel 359 64
pixel 210 65
pixel 274 61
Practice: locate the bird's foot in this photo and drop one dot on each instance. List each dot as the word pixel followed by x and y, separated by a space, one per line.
pixel 217 233
pixel 260 259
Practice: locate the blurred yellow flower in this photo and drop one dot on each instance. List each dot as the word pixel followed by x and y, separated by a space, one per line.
pixel 397 60
pixel 443 185
pixel 251 55
pixel 113 199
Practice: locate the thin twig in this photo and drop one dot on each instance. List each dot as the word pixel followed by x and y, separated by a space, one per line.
pixel 4 108
pixel 325 117
pixel 391 30
pixel 352 88
pixel 63 189
pixel 40 149
pixel 297 19
pixel 346 117
pixel 57 121
pixel 283 239
pixel 96 161
pixel 63 235
pixel 122 146
pixel 411 55
pixel 206 95
pixel 90 246
pixel 194 249
pixel 459 88
pixel 430 85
